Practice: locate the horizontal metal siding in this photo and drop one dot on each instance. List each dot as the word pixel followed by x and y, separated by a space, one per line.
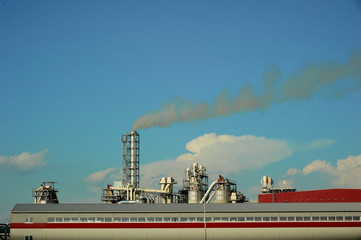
pixel 327 195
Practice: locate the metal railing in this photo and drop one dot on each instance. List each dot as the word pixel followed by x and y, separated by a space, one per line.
pixel 4 231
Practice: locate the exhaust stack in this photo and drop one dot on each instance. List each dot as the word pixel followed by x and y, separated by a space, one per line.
pixel 130 162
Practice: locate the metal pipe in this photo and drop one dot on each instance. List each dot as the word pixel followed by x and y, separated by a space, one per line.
pixel 208 191
pixel 131 193
pixel 210 198
pixel 132 159
pixel 128 191
pixel 130 162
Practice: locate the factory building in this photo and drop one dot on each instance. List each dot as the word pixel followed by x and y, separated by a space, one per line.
pixel 198 211
pixel 324 195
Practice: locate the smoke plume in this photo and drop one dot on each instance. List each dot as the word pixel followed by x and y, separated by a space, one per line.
pixel 301 84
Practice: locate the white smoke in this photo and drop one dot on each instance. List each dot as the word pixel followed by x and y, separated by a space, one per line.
pixel 302 84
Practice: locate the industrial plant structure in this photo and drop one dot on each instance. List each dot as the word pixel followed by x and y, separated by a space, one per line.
pixel 195 184
pixel 198 211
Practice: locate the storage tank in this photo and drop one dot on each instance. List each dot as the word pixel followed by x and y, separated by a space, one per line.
pixel 194 196
pixel 221 195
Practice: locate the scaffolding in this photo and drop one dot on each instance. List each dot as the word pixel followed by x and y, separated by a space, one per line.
pixel 196 178
pixel 130 161
pixel 4 231
pixel 195 184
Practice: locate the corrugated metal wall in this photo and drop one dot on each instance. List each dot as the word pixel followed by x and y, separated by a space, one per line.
pixel 326 195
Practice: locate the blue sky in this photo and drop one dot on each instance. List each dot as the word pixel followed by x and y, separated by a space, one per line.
pixel 75 75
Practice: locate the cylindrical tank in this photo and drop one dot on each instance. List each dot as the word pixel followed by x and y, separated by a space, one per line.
pixel 221 196
pixel 194 196
pixel 264 181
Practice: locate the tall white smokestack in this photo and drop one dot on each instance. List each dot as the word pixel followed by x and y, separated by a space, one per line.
pixel 130 162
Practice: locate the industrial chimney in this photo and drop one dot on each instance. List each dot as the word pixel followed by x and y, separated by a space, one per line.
pixel 130 162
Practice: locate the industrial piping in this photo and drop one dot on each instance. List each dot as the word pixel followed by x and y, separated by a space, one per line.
pixel 209 190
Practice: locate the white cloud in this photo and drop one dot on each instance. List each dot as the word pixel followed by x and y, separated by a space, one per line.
pixel 318 165
pixel 24 161
pixel 285 183
pixel 234 153
pixel 220 154
pixel 293 171
pixel 315 145
pixel 100 175
pixel 346 173
pixel 322 143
